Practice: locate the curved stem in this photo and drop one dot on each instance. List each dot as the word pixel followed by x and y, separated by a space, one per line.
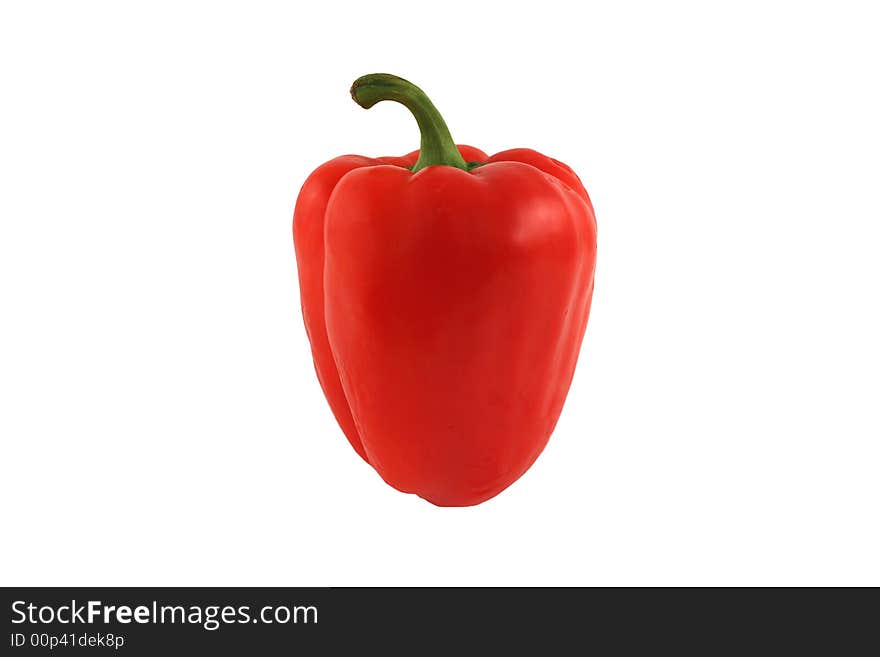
pixel 437 146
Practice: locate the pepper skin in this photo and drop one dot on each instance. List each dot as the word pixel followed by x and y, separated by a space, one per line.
pixel 445 295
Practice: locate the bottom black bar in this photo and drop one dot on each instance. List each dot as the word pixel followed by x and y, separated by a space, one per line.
pixel 172 621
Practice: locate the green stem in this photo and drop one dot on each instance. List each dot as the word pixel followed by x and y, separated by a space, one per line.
pixel 437 146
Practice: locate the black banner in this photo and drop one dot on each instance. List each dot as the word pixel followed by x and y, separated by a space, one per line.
pixel 186 621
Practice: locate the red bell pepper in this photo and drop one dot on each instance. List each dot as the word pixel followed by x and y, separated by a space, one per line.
pixel 445 294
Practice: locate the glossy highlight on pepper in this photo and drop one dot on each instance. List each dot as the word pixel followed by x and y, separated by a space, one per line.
pixel 445 295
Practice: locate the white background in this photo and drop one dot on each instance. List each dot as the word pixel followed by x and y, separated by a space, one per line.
pixel 160 419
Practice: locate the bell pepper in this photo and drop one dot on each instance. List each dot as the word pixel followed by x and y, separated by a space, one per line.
pixel 445 295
